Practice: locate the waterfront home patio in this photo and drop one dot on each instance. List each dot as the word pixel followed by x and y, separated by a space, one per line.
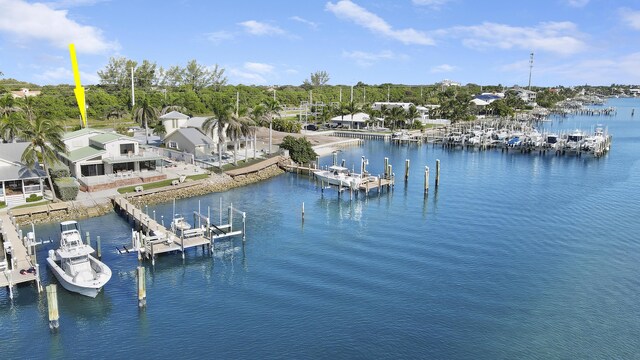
pixel 119 179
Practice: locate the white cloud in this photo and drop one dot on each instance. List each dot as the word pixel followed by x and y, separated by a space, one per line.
pixel 595 71
pixel 64 75
pixel 259 68
pixel 25 21
pixel 444 68
pixel 347 10
pixel 363 58
pixel 65 4
pixel 631 18
pixel 434 4
pixel 219 36
pixel 251 73
pixel 309 23
pixel 561 38
pixel 241 77
pixel 577 3
pixel 260 28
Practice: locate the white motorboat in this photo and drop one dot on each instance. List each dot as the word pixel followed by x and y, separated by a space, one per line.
pixel 73 265
pixel 341 176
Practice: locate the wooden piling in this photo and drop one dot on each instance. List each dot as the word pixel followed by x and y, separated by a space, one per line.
pixel 437 172
pixel 142 287
pixel 88 237
pixel 335 158
pixel 98 250
pixel 386 167
pixel 303 211
pixel 406 169
pixel 52 305
pixel 426 180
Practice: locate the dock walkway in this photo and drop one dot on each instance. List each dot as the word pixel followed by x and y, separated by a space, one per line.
pixel 18 259
pixel 153 238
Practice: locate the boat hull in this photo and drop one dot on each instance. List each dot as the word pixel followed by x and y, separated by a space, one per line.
pixel 90 290
pixel 346 182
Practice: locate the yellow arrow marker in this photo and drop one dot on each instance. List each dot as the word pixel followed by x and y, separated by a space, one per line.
pixel 79 90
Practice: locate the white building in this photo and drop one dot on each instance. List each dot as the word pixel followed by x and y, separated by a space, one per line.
pixel 355 121
pixel 17 181
pixel 93 154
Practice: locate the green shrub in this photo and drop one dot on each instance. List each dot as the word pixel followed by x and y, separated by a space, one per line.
pixel 2 204
pixel 66 188
pixel 59 172
pixel 300 149
pixel 34 197
pixel 286 125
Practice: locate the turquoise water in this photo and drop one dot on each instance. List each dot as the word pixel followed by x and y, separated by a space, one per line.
pixel 514 256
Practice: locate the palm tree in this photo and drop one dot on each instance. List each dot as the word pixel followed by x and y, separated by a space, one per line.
pixel 145 113
pixel 352 108
pixel 411 114
pixel 273 109
pixel 45 142
pixel 11 121
pixel 396 114
pixel 222 114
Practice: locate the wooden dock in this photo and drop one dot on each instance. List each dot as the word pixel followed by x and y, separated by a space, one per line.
pixel 16 257
pixel 149 238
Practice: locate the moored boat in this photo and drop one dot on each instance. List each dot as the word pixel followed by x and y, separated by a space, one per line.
pixel 74 266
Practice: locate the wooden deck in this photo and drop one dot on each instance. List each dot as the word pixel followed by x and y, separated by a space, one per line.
pixel 20 258
pixel 155 239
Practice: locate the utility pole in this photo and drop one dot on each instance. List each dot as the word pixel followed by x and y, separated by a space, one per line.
pixel 388 92
pixel 530 69
pixel 133 97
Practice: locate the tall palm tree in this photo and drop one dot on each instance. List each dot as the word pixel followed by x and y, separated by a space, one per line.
pixel 216 125
pixel 352 108
pixel 397 115
pixel 273 110
pixel 144 113
pixel 45 141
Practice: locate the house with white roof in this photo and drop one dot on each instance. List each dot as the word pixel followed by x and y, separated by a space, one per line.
pixel 355 121
pixel 97 158
pixel 17 181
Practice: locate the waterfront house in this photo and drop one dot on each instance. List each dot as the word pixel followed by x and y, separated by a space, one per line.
pixel 18 181
pixel 172 121
pixel 190 140
pixel 101 160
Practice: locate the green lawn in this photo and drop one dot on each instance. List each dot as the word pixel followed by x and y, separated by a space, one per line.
pixel 158 184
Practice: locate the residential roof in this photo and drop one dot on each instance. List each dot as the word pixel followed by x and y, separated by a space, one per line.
pixel 174 115
pixel 196 121
pixel 74 134
pixel 191 135
pixel 12 152
pixel 357 117
pixel 83 153
pixel 479 102
pixel 106 138
pixel 20 172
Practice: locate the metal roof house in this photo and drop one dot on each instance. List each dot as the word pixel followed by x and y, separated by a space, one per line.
pixel 97 158
pixel 17 181
pixel 190 140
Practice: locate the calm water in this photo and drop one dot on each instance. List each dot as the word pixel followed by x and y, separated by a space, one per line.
pixel 514 256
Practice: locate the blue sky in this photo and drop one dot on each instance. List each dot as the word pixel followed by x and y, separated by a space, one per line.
pixel 376 41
